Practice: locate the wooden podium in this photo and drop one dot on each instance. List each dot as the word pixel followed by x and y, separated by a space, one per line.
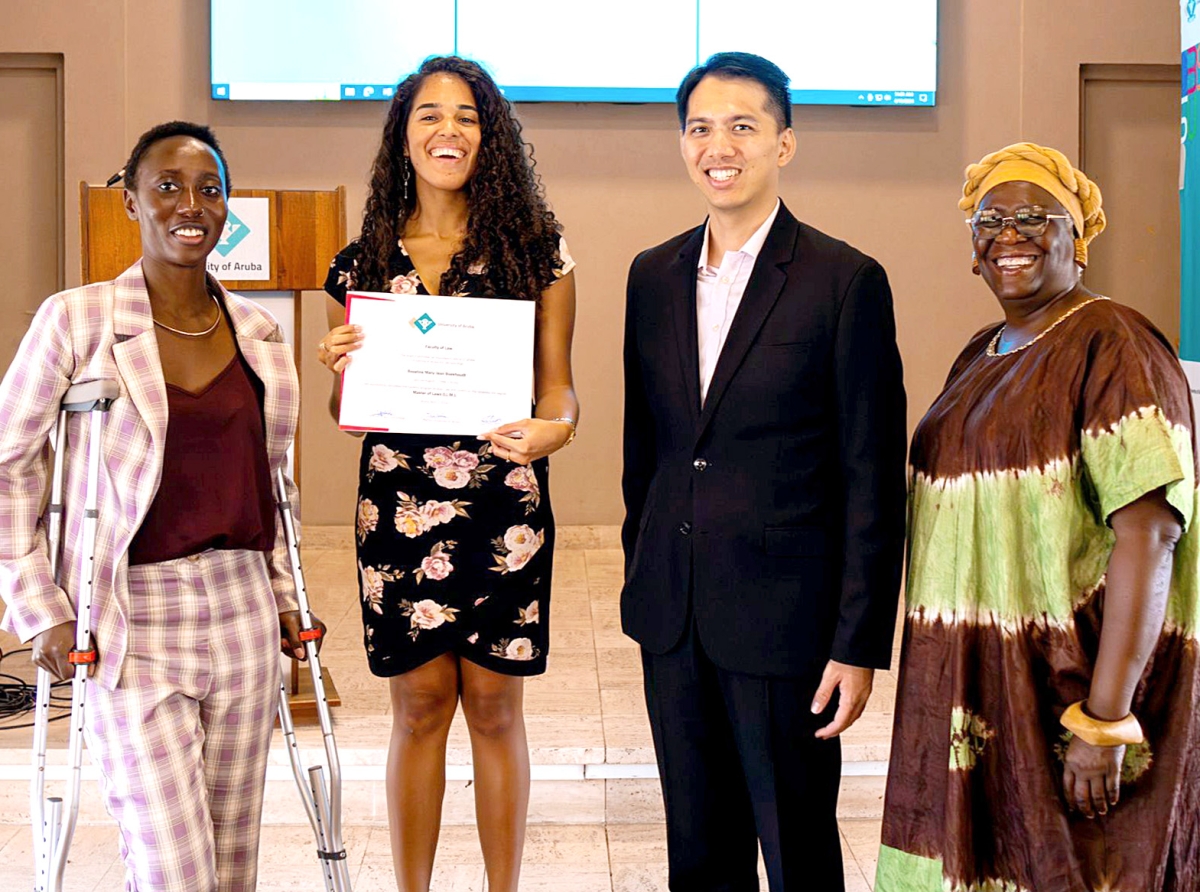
pixel 307 229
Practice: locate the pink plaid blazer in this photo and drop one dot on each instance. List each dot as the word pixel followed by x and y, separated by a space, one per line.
pixel 105 330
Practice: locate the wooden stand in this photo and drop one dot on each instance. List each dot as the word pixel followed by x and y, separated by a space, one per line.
pixel 301 697
pixel 307 229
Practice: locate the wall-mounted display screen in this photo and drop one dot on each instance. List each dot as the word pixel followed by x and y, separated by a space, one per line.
pixel 845 52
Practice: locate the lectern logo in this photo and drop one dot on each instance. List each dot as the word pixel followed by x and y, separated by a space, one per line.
pixel 1191 10
pixel 233 234
pixel 424 323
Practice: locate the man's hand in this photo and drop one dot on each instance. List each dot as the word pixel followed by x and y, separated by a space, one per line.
pixel 853 684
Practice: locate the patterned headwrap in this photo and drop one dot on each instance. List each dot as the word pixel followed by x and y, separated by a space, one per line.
pixel 1045 167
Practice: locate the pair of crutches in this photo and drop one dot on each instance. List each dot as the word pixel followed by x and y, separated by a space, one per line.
pixel 54 818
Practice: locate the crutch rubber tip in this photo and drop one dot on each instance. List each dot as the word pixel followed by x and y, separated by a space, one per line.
pixel 311 634
pixel 82 656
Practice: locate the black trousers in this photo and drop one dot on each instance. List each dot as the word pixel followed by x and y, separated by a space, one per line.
pixel 740 766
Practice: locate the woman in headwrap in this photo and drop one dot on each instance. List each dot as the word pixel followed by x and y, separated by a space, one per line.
pixel 1046 735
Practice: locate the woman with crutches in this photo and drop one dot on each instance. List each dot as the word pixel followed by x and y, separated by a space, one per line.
pixel 193 589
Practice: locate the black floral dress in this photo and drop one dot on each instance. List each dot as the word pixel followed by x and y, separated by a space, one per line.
pixel 455 546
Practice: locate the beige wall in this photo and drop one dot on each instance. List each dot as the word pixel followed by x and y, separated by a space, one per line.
pixel 884 179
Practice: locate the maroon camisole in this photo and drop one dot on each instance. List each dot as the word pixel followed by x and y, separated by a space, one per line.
pixel 215 490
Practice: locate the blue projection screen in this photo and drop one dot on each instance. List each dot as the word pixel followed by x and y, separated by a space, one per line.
pixel 852 52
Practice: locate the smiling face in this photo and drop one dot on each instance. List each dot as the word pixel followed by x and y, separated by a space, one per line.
pixel 443 133
pixel 733 145
pixel 179 202
pixel 1017 267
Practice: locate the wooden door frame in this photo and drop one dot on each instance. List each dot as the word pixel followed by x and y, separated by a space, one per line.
pixel 1116 71
pixel 52 62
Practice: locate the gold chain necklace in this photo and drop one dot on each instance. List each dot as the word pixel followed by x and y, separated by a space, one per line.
pixel 195 334
pixel 991 347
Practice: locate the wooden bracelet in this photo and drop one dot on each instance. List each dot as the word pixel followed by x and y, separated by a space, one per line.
pixel 1098 733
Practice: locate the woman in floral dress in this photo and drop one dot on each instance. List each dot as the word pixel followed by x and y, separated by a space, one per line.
pixel 454 533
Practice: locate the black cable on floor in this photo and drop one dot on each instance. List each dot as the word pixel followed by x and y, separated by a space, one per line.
pixel 19 697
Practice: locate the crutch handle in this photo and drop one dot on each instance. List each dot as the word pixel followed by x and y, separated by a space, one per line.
pixel 81 656
pixel 89 395
pixel 311 634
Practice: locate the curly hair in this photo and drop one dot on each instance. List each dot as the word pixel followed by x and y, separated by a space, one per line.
pixel 160 132
pixel 510 228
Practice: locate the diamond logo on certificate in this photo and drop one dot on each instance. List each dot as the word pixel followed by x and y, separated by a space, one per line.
pixel 437 365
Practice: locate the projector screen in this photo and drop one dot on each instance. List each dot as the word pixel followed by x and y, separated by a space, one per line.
pixel 837 52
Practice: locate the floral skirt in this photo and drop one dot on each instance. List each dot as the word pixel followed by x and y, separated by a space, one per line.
pixel 455 549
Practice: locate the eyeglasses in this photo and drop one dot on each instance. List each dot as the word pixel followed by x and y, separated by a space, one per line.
pixel 1028 222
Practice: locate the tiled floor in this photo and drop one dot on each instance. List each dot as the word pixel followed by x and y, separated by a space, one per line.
pixel 595 813
pixel 558 858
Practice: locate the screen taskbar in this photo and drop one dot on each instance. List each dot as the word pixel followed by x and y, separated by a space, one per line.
pixel 376 92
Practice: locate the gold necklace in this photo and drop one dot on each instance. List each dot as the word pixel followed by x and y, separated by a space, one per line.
pixel 195 334
pixel 991 347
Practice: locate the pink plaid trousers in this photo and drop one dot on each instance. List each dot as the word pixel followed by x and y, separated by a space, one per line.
pixel 182 740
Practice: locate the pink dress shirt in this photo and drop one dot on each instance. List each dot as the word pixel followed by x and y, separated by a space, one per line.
pixel 719 292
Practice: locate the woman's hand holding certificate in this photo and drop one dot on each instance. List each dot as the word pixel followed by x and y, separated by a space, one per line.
pixel 430 364
pixel 335 348
pixel 527 440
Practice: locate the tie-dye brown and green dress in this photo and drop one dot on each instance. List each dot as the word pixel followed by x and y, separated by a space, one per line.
pixel 1015 469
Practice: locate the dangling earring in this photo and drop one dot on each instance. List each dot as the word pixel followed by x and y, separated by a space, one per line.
pixel 404 178
pixel 974 263
pixel 1081 253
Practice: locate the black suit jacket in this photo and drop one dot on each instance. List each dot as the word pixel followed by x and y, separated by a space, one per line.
pixel 774 513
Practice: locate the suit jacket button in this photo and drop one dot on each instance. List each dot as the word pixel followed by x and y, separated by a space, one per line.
pixel 685 528
pixel 700 464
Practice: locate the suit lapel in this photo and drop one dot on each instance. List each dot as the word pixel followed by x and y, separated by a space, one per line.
pixel 272 362
pixel 682 276
pixel 762 292
pixel 135 352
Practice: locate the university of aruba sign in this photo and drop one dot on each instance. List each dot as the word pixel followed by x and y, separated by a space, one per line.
pixel 244 250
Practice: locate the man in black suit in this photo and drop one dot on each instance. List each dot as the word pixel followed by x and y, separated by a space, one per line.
pixel 764 495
